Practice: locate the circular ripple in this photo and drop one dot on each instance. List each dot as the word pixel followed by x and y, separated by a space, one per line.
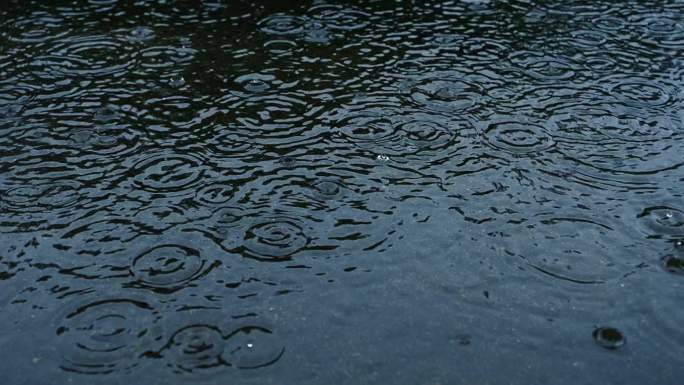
pixel 609 23
pixel 518 138
pixel 89 56
pixel 194 348
pixel 282 24
pixel 448 94
pixel 340 17
pixel 253 347
pixel 167 266
pixel 105 336
pixel 141 34
pixel 160 57
pixel 37 28
pixel 216 194
pixel 543 67
pixel 637 92
pixel 263 83
pixel 276 239
pixel 111 141
pixel 163 173
pixel 588 38
pixel 663 220
pixel 609 337
pixel 328 190
pixel 37 198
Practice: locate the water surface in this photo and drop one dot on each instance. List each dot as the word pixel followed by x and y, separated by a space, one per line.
pixel 416 192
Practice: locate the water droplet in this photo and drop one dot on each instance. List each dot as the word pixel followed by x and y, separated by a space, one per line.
pixel 609 337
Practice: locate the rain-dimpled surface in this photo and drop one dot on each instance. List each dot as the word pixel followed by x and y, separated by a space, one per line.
pixel 364 192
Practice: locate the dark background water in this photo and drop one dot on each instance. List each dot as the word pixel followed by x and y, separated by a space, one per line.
pixel 397 192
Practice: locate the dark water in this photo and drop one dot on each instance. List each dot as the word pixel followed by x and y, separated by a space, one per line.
pixel 376 192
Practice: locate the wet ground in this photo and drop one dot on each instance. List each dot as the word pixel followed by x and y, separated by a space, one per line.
pixel 369 192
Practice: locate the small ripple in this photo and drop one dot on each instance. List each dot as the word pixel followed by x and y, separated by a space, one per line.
pixel 167 173
pixel 216 194
pixel 663 221
pixel 275 239
pixel 515 137
pixel 639 92
pixel 88 56
pixel 589 38
pixel 168 267
pixel 195 348
pixel 164 57
pixel 328 189
pixel 141 34
pixel 37 28
pixel 282 24
pixel 342 18
pixel 445 93
pixel 105 336
pixel 542 67
pixel 609 23
pixel 263 83
pixel 41 197
pixel 253 347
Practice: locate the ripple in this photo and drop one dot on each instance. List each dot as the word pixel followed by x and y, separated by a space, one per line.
pixel 542 67
pixel 638 92
pixel 609 337
pixel 111 141
pixel 37 28
pixel 588 38
pixel 164 57
pixel 446 94
pixel 194 348
pixel 340 17
pixel 253 347
pixel 275 239
pixel 216 194
pixel 263 83
pixel 88 56
pixel 663 220
pixel 517 137
pixel 166 173
pixel 167 266
pixel 328 189
pixel 141 34
pixel 609 23
pixel 105 336
pixel 282 24
pixel 41 197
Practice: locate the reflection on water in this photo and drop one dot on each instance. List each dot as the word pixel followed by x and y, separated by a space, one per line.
pixel 341 192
